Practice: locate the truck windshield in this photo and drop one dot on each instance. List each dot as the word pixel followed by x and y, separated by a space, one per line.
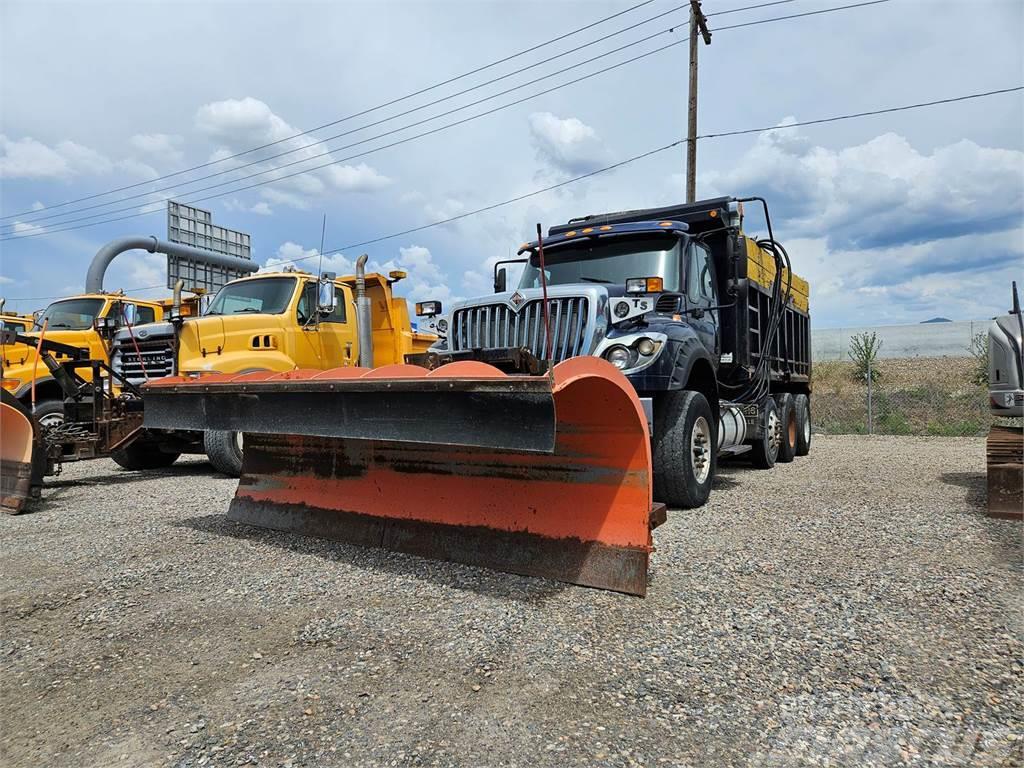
pixel 73 314
pixel 610 261
pixel 268 296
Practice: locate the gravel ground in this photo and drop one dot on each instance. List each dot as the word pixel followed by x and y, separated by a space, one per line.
pixel 855 607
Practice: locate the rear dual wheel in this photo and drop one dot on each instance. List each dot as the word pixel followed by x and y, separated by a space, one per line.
pixel 789 427
pixel 684 449
pixel 802 406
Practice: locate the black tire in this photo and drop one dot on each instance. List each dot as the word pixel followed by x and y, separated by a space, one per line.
pixel 787 417
pixel 765 450
pixel 802 406
pixel 141 455
pixel 49 413
pixel 678 481
pixel 224 451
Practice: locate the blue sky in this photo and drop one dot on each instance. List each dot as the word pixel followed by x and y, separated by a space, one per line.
pixel 893 218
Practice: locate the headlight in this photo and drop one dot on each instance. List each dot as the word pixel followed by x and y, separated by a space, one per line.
pixel 645 347
pixel 619 356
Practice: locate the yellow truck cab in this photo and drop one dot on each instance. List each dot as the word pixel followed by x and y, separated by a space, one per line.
pixel 16 323
pixel 270 322
pixel 87 321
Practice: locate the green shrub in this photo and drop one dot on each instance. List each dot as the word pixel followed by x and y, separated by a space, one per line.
pixel 864 354
pixel 979 351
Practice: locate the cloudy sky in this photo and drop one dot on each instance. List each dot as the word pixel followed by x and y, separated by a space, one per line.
pixel 893 218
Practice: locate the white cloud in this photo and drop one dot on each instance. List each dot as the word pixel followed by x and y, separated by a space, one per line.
pixel 567 145
pixel 5 280
pixel 240 124
pixel 260 209
pixel 426 280
pixel 291 254
pixel 28 158
pixel 880 193
pixel 37 206
pixel 162 147
pixel 27 228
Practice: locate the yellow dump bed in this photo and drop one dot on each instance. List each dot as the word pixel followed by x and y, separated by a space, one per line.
pixel 761 269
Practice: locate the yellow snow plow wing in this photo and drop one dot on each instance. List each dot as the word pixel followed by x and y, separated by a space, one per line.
pixel 540 475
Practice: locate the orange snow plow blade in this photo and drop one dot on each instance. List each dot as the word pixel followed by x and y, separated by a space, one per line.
pixel 17 443
pixel 539 475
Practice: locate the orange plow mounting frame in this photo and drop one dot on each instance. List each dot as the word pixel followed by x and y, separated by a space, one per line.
pixel 17 443
pixel 540 475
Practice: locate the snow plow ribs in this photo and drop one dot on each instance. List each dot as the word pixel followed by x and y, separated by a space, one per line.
pixel 539 475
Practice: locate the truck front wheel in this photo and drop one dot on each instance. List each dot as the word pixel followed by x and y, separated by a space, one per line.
pixel 684 449
pixel 224 450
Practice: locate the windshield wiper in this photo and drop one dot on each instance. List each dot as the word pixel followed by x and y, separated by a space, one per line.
pixel 247 309
pixel 596 280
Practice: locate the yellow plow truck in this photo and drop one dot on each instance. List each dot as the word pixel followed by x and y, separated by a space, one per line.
pixel 87 321
pixel 258 326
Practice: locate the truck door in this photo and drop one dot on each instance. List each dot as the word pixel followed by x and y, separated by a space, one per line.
pixel 701 296
pixel 338 330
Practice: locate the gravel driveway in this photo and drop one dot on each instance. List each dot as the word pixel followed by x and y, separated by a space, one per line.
pixel 854 607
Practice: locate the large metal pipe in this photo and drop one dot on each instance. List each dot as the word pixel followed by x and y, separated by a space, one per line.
pixel 106 254
pixel 363 315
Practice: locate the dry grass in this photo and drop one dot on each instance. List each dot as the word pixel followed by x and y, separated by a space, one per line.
pixel 912 396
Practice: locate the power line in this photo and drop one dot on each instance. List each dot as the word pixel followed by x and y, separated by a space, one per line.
pixel 10 237
pixel 676 143
pixel 60 228
pixel 625 162
pixel 797 15
pixel 396 101
pixel 367 111
pixel 852 115
pixel 181 184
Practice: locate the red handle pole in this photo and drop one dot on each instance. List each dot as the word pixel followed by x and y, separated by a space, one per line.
pixel 544 293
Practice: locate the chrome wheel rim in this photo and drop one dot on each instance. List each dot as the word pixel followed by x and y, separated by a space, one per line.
pixel 774 433
pixel 51 420
pixel 238 442
pixel 700 449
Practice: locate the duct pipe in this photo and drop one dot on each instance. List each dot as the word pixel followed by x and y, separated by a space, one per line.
pixel 363 315
pixel 106 254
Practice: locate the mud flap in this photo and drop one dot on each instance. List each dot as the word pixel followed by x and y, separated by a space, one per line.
pixel 539 475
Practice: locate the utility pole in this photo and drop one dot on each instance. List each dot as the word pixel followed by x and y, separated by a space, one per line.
pixel 698 23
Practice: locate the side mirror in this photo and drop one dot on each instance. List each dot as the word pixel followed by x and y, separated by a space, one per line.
pixel 122 313
pixel 500 281
pixel 428 308
pixel 326 296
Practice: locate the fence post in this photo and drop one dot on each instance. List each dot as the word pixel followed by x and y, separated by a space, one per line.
pixel 871 424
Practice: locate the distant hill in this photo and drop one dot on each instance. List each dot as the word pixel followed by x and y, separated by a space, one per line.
pixel 937 320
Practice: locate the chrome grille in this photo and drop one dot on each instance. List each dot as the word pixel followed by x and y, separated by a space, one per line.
pixel 498 325
pixel 157 359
